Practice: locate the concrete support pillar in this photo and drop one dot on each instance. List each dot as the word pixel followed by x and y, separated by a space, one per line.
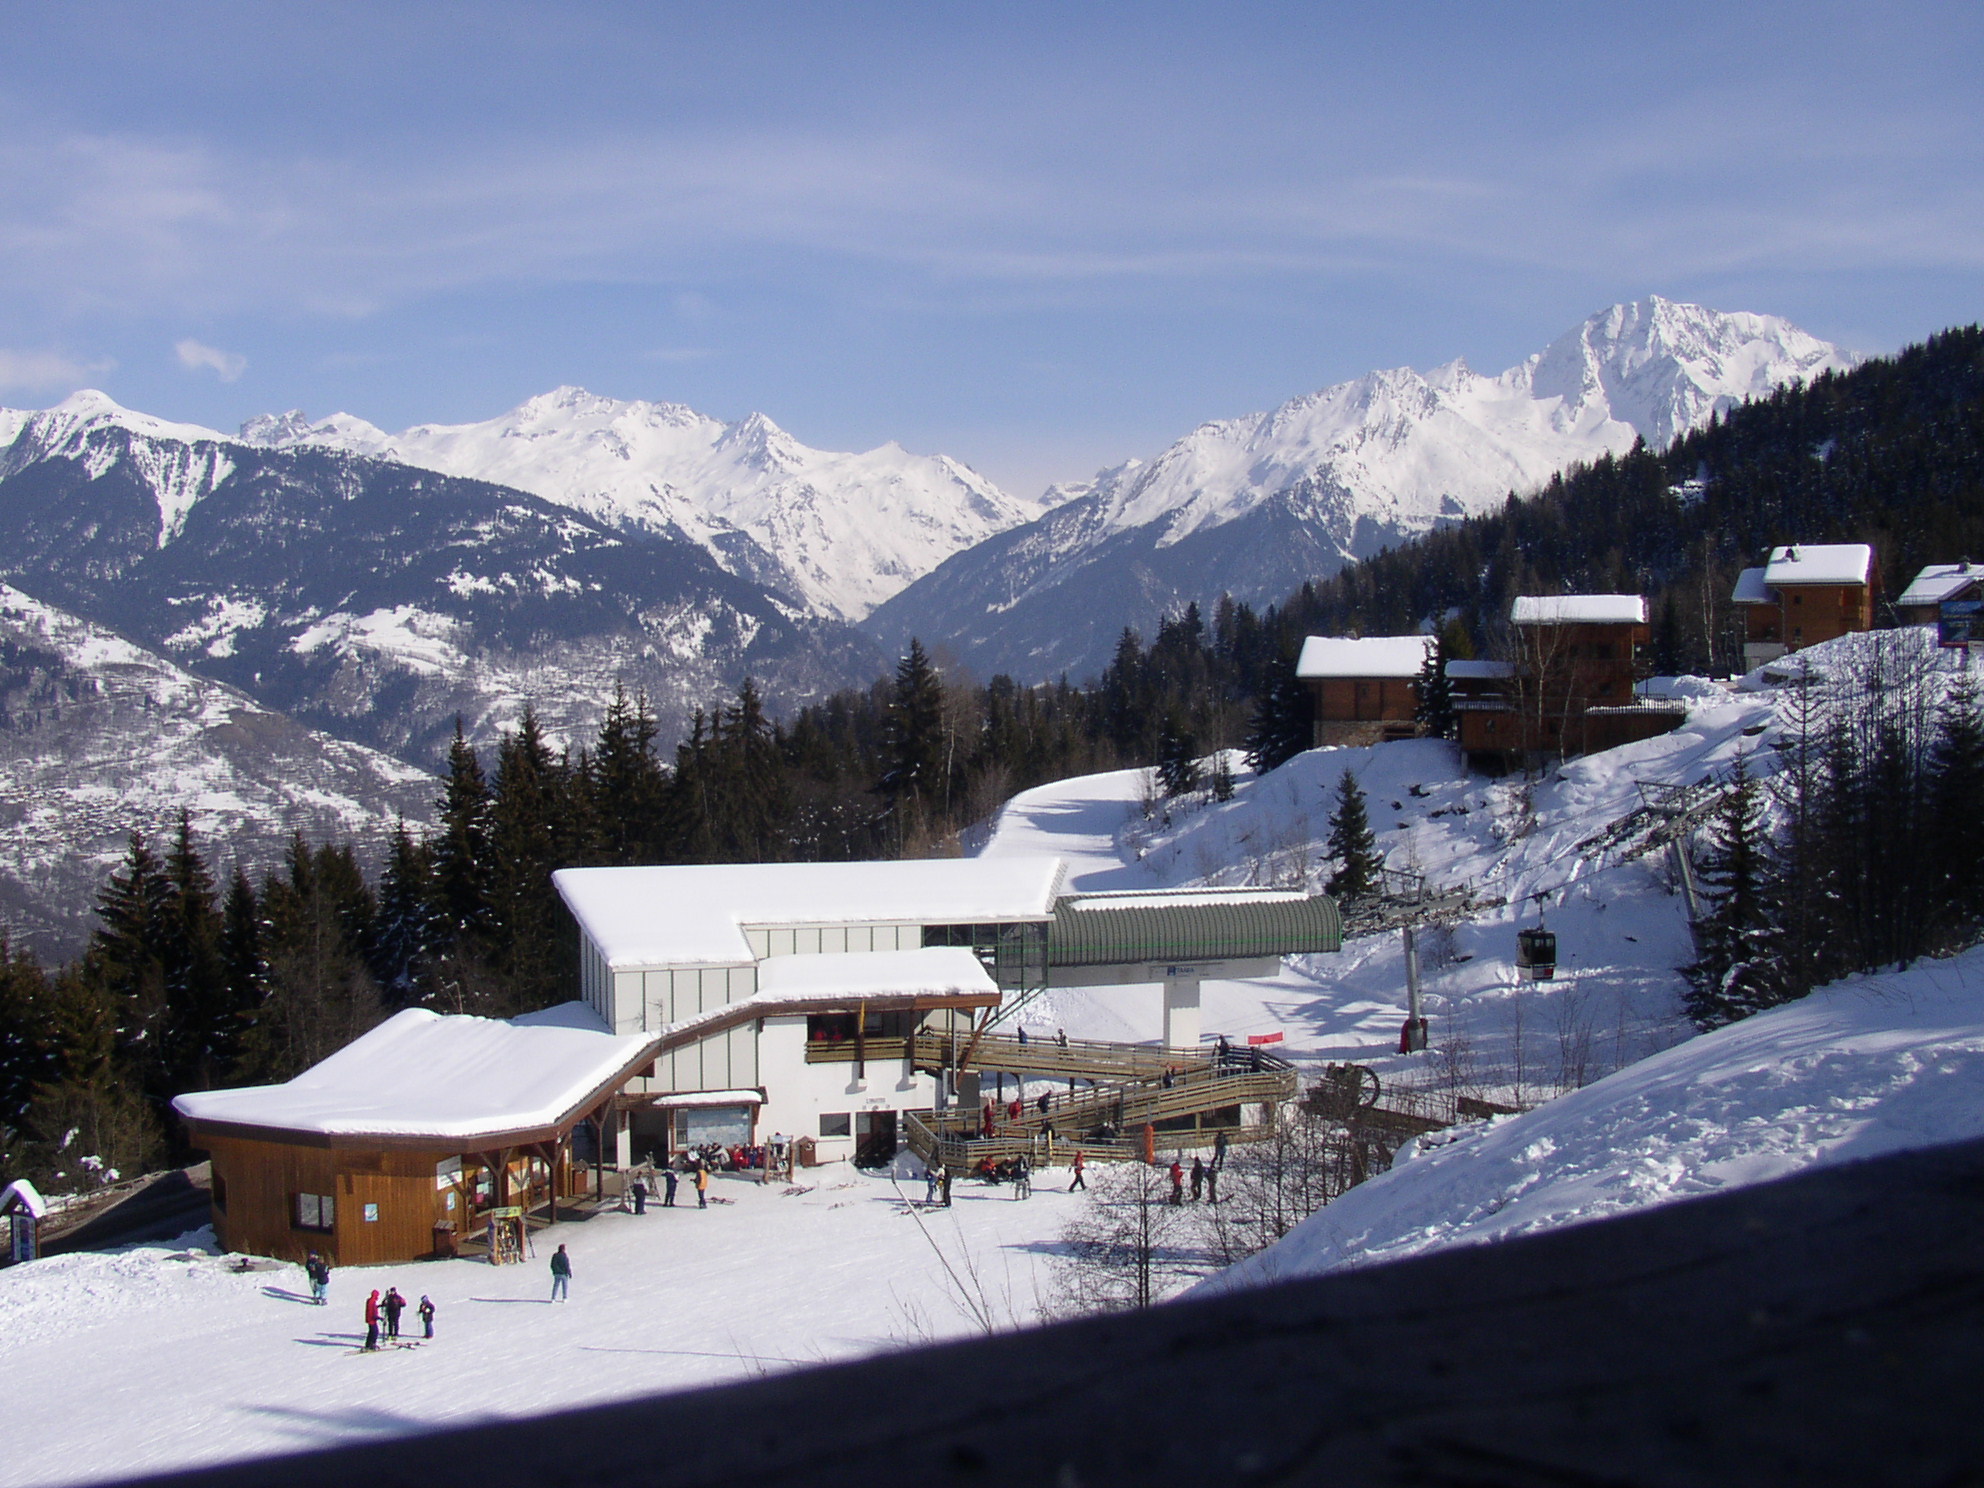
pixel 1181 1012
pixel 622 1134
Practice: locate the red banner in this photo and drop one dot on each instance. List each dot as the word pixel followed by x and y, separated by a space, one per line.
pixel 1264 1038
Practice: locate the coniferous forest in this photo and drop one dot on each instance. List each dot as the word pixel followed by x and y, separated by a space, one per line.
pixel 194 979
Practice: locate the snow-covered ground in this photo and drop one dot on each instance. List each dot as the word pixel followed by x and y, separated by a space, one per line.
pixel 160 1357
pixel 1870 1065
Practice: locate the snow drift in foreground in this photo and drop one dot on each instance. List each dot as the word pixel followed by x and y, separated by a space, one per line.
pixel 1867 1066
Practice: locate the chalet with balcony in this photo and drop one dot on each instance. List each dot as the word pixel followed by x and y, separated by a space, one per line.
pixel 1805 593
pixel 1570 686
pixel 1366 689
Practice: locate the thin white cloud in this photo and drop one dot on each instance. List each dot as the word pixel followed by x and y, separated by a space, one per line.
pixel 196 355
pixel 37 371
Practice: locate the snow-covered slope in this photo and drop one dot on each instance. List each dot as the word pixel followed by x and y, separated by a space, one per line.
pixel 383 600
pixel 99 738
pixel 839 532
pixel 1255 505
pixel 1867 1066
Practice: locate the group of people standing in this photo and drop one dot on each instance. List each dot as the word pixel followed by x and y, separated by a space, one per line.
pixel 699 1176
pixel 388 1309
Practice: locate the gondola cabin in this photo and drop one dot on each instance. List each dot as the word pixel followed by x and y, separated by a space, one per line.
pixel 1536 955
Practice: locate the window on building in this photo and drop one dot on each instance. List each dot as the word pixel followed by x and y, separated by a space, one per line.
pixel 837 1124
pixel 316 1212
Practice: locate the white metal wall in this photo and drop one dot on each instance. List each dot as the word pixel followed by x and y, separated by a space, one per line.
pixel 820 940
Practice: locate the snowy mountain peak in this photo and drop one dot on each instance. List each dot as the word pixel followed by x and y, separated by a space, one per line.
pixel 838 532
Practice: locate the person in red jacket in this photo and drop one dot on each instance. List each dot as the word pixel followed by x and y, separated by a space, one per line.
pixel 1177 1182
pixel 1079 1164
pixel 372 1323
pixel 989 1119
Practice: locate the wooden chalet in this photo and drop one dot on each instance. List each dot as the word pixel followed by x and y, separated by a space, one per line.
pixel 407 1141
pixel 1366 689
pixel 1921 603
pixel 1571 686
pixel 1805 593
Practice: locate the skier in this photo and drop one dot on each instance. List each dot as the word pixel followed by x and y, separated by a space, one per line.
pixel 702 1186
pixel 669 1180
pixel 1198 1178
pixel 426 1311
pixel 931 1179
pixel 393 1306
pixel 561 1275
pixel 1177 1183
pixel 319 1272
pixel 640 1197
pixel 1219 1151
pixel 1022 1178
pixel 372 1322
pixel 1079 1182
pixel 947 1188
pixel 1014 1110
pixel 1212 1184
pixel 990 1120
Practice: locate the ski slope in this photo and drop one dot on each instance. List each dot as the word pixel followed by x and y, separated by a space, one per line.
pixel 161 1357
pixel 1867 1066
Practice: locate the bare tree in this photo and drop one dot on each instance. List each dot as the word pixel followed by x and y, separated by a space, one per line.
pixel 1125 1248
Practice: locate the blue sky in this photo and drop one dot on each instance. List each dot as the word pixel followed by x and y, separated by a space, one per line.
pixel 1037 237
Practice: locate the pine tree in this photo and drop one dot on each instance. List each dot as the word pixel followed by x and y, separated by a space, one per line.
pixel 241 954
pixel 1352 844
pixel 462 867
pixel 125 960
pixel 914 748
pixel 199 1024
pixel 320 993
pixel 526 933
pixel 1177 759
pixel 1433 707
pixel 1283 724
pixel 403 933
pixel 629 788
pixel 1956 794
pixel 1738 967
pixel 27 1056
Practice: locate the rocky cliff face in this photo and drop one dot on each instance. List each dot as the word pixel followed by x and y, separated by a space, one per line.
pixel 100 738
pixel 380 601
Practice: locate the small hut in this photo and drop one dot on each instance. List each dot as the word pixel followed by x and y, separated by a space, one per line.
pixel 409 1139
pixel 23 1208
pixel 1366 688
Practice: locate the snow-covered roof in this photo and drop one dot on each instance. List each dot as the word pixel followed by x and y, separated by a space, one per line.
pixel 1366 656
pixel 934 971
pixel 1479 671
pixel 22 1195
pixel 1579 609
pixel 1751 588
pixel 426 1074
pixel 696 915
pixel 1819 563
pixel 710 1098
pixel 1175 898
pixel 1939 581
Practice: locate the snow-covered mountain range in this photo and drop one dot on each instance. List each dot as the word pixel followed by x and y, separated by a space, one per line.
pixel 378 600
pixel 839 533
pixel 1255 505
pixel 99 737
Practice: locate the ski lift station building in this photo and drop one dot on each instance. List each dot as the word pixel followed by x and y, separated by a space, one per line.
pixel 789 996
pixel 719 1003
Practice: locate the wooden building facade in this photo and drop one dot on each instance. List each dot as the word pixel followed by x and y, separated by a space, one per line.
pixel 1570 688
pixel 404 1143
pixel 1365 688
pixel 1805 593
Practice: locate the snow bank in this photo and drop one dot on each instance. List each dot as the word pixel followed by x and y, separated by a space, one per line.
pixel 1867 1066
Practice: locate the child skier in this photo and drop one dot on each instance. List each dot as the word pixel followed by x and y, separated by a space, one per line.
pixel 319 1272
pixel 426 1310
